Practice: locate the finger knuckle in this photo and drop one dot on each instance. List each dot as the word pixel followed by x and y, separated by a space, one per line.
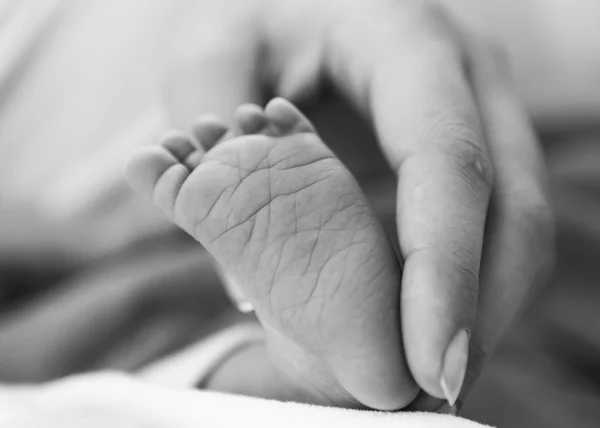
pixel 470 159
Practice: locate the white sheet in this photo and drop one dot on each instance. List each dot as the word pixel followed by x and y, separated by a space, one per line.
pixel 187 367
pixel 118 401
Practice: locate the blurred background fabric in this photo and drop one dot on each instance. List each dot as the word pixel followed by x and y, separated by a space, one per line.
pixel 546 373
pixel 92 278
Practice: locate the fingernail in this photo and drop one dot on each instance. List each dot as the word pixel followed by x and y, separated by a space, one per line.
pixel 455 366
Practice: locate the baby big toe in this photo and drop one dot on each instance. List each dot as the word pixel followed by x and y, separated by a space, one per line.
pixel 286 117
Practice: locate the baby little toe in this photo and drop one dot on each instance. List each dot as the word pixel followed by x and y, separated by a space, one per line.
pixel 145 167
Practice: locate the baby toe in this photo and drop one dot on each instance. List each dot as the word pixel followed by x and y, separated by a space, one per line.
pixel 194 160
pixel 209 130
pixel 145 167
pixel 178 144
pixel 167 188
pixel 286 117
pixel 157 174
pixel 250 119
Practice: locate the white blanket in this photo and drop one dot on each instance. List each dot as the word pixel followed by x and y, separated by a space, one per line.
pixel 162 396
pixel 117 401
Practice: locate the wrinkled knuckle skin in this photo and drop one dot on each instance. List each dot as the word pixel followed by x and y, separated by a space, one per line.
pixel 472 163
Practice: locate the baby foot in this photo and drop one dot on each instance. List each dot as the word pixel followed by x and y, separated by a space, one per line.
pixel 290 226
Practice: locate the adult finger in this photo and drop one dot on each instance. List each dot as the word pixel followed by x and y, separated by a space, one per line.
pixel 430 129
pixel 520 238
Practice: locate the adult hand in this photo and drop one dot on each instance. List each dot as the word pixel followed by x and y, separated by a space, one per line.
pixel 474 223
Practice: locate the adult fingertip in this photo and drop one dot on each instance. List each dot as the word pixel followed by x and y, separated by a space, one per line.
pixel 436 315
pixel 455 366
